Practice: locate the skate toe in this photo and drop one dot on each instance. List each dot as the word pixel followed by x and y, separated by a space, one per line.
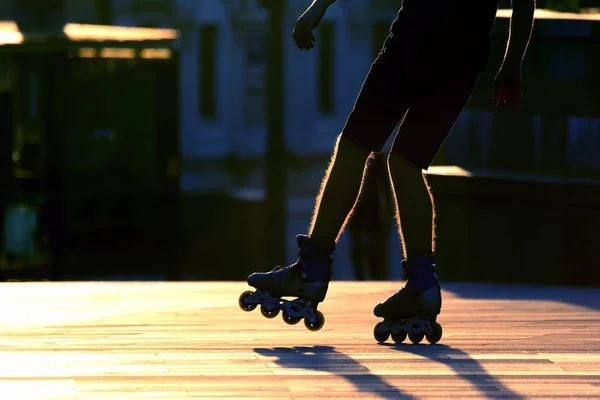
pixel 256 279
pixel 379 310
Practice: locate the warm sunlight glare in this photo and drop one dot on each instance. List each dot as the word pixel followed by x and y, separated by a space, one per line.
pixel 156 53
pixel 9 33
pixel 86 53
pixel 548 14
pixel 117 53
pixel 449 170
pixel 82 32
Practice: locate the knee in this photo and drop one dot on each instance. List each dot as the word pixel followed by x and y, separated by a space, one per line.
pixel 397 162
pixel 362 138
pixel 352 148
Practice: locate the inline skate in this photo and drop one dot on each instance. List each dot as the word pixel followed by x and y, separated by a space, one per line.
pixel 413 310
pixel 307 280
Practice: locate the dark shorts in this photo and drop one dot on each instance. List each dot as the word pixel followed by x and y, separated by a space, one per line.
pixel 427 101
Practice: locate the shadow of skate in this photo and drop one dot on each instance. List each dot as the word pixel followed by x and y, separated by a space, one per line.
pixel 578 296
pixel 327 359
pixel 458 360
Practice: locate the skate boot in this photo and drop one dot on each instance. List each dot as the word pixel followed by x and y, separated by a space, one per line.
pixel 413 310
pixel 307 280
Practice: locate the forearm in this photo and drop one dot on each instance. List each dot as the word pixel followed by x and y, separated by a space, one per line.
pixel 521 26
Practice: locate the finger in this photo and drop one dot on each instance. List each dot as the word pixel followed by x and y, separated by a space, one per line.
pixel 505 101
pixel 501 98
pixel 296 38
pixel 512 95
pixel 516 98
pixel 301 42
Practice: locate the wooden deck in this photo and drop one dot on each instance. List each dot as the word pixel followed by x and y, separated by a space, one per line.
pixel 185 340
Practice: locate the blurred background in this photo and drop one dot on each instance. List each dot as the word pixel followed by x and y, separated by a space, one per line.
pixel 186 140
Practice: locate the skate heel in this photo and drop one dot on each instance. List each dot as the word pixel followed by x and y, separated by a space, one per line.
pixel 314 292
pixel 430 301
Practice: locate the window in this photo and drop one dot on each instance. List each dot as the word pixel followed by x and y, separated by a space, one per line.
pixel 326 67
pixel 207 68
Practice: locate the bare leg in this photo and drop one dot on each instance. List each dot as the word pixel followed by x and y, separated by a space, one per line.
pixel 421 134
pixel 424 129
pixel 415 209
pixel 339 191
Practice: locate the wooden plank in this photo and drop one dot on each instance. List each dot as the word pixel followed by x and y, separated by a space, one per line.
pixel 190 340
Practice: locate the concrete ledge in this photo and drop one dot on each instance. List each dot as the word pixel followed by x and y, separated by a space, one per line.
pixel 552 23
pixel 510 227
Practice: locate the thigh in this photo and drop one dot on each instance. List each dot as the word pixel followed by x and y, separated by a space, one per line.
pixel 382 102
pixel 429 121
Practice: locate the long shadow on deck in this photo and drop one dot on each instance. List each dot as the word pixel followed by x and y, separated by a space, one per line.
pixel 458 360
pixel 326 358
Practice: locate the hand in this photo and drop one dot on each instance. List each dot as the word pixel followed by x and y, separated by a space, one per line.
pixel 303 35
pixel 507 87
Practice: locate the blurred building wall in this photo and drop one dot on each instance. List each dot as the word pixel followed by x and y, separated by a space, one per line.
pixel 5 10
pixel 222 87
pixel 221 104
pixel 222 72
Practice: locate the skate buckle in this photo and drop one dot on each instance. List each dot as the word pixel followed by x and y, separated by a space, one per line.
pixel 299 308
pixel 418 325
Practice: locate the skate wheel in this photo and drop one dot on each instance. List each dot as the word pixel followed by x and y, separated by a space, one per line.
pixel 269 311
pixel 399 337
pixel 290 320
pixel 380 334
pixel 242 301
pixel 437 333
pixel 416 338
pixel 318 324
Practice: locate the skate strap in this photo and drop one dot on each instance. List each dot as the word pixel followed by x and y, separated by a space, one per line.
pixel 419 266
pixel 314 249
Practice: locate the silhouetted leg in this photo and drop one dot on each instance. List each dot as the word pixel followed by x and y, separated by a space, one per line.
pixel 377 242
pixel 358 254
pixel 414 308
pixel 377 110
pixel 423 131
pixel 339 191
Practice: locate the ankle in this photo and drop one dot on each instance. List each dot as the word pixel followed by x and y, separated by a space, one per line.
pixel 315 247
pixel 420 256
pixel 419 266
pixel 321 241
